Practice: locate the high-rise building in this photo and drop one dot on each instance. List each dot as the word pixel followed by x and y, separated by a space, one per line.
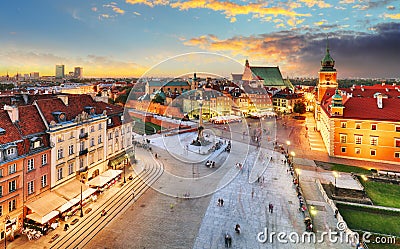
pixel 78 71
pixel 59 71
pixel 34 75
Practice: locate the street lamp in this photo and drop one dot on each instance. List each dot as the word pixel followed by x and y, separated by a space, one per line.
pixel 293 155
pixel 81 202
pixel 288 144
pixel 124 169
pixel 335 175
pixel 298 171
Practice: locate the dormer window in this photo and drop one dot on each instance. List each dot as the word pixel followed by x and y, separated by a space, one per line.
pixel 2 131
pixel 10 151
pixel 59 116
pixel 90 110
pixel 36 142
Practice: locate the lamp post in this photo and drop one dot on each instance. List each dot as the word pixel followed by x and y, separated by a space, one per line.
pixel 335 175
pixel 288 144
pixel 81 202
pixel 293 155
pixel 124 169
pixel 298 171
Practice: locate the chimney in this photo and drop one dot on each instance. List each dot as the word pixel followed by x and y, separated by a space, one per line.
pixel 379 101
pixel 64 99
pixel 12 112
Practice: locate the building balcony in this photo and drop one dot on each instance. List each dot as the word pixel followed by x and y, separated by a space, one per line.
pixel 83 135
pixel 83 152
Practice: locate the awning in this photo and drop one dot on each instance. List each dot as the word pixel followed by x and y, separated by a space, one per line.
pixel 46 204
pixel 99 181
pixel 104 178
pixel 42 219
pixel 113 162
pixel 67 205
pixel 112 173
pixel 71 189
pixel 85 195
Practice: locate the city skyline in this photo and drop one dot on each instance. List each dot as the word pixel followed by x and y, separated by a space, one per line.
pixel 127 38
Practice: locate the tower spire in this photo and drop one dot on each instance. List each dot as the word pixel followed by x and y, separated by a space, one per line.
pixel 327 43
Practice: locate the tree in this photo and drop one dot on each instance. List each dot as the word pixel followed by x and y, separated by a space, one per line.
pixel 158 99
pixel 299 107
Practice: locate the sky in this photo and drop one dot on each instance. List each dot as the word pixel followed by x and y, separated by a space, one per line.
pixel 129 38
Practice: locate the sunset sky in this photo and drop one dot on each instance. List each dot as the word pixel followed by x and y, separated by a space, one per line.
pixel 127 38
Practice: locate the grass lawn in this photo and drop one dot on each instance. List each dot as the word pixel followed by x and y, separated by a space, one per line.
pixel 349 169
pixel 382 194
pixel 367 219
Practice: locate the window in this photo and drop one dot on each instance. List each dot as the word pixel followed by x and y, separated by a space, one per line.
pixel 81 163
pixel 82 130
pixel 71 149
pixel 100 126
pixel 99 141
pixel 109 121
pixel 10 151
pixel 373 152
pixel 31 164
pixel 70 168
pixel 397 128
pixel 397 142
pixel 60 153
pixel 12 205
pixel 1 172
pixel 59 173
pixel 1 191
pixel 116 133
pixel 358 139
pixel 60 138
pixel 357 151
pixel 374 141
pixel 91 141
pixel 12 186
pixel 82 145
pixel 343 149
pixel 99 154
pixel 343 124
pixel 91 158
pixel 343 138
pixel 43 181
pixel 36 144
pixel 397 154
pixel 1 214
pixel 358 126
pixel 92 128
pixel 109 136
pixel 44 159
pixel 12 168
pixel 71 135
pixel 31 188
pixel 373 127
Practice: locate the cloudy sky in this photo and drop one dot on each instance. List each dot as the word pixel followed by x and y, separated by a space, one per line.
pixel 129 37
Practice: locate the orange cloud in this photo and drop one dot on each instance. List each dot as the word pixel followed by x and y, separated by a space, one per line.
pixel 319 3
pixel 148 2
pixel 228 8
pixel 392 16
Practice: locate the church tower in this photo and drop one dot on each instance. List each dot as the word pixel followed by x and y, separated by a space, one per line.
pixel 327 79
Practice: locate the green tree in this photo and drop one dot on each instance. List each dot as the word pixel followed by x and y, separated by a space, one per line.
pixel 158 99
pixel 299 107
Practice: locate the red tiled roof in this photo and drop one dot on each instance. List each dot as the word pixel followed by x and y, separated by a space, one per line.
pixel 11 132
pixel 367 109
pixel 76 105
pixel 30 121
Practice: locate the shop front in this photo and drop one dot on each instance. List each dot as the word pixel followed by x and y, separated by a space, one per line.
pixel 105 180
pixel 43 212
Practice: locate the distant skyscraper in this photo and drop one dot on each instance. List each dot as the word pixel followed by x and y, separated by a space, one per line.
pixel 78 71
pixel 34 75
pixel 59 71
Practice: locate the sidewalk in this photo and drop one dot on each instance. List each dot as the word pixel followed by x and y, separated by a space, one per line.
pixel 43 242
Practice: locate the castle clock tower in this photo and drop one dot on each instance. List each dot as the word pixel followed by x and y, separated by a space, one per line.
pixel 327 79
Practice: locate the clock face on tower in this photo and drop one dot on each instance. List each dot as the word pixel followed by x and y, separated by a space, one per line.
pixel 327 77
pixel 61 117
